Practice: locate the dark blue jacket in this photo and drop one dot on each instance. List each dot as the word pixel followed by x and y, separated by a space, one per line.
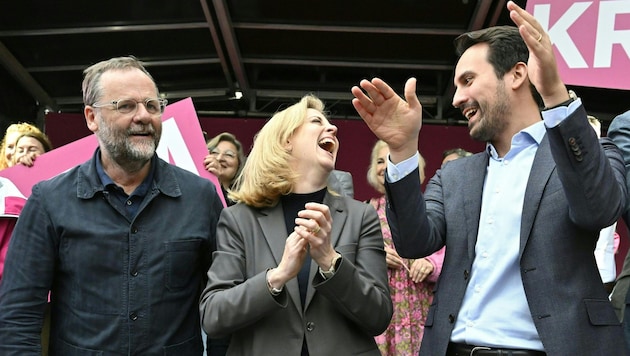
pixel 118 286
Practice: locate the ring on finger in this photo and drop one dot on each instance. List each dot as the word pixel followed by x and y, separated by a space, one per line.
pixel 316 230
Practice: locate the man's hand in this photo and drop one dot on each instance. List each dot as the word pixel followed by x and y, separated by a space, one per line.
pixel 392 119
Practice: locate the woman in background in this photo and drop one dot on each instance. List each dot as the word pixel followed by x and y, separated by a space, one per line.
pixel 411 282
pixel 225 160
pixel 7 147
pixel 28 146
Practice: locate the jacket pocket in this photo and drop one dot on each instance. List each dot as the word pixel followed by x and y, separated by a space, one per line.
pixel 192 346
pixel 73 350
pixel 182 263
pixel 600 312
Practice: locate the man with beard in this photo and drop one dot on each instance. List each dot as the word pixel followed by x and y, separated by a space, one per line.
pixel 520 220
pixel 122 242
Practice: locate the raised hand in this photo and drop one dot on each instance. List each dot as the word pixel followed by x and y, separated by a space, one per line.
pixel 395 120
pixel 542 67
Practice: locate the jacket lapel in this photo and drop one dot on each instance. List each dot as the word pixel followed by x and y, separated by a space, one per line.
pixel 477 169
pixel 339 214
pixel 541 171
pixel 274 230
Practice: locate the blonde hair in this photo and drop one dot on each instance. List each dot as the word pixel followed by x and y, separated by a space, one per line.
pixel 267 174
pixel 22 128
pixel 372 176
pixel 595 124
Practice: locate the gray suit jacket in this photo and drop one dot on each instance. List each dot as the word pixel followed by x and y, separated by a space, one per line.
pixel 342 314
pixel 619 132
pixel 576 187
pixel 341 182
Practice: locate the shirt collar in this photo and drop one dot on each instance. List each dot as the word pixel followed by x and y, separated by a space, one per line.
pixel 109 184
pixel 535 132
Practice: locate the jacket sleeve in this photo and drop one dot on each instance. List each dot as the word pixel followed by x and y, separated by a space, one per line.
pixel 367 277
pixel 27 279
pixel 592 172
pixel 416 230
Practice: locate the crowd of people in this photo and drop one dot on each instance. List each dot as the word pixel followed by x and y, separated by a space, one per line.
pixel 496 254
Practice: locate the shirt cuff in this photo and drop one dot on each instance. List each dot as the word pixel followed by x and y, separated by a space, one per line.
pixel 555 116
pixel 396 172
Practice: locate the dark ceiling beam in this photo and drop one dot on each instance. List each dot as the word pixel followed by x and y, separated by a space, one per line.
pixel 480 15
pixel 390 65
pixel 103 29
pixel 217 45
pixel 477 22
pixel 427 100
pixel 500 7
pixel 15 68
pixel 350 29
pixel 231 45
pixel 157 63
pixel 176 94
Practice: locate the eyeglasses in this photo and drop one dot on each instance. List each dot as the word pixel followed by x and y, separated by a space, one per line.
pixel 227 154
pixel 126 106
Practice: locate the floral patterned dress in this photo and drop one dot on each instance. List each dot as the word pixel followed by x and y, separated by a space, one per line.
pixel 411 300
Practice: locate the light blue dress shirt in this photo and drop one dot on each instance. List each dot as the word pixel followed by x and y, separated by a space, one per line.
pixel 494 311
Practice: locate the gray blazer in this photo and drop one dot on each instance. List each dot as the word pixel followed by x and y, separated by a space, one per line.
pixel 342 314
pixel 576 187
pixel 341 182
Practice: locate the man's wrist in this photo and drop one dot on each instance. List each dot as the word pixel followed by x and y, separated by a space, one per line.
pixel 572 98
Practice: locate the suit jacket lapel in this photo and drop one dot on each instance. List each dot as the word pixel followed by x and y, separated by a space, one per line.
pixel 273 227
pixel 475 178
pixel 539 175
pixel 339 215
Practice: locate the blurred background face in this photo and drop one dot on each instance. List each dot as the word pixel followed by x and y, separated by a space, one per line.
pixel 381 164
pixel 27 146
pixel 10 139
pixel 225 163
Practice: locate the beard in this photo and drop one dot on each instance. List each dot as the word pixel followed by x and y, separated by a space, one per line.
pixel 116 142
pixel 494 118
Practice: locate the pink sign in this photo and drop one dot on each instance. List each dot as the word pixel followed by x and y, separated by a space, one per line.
pixel 182 144
pixel 591 39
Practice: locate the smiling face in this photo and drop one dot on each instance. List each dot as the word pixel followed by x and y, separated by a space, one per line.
pixel 130 137
pixel 225 162
pixel 480 95
pixel 10 139
pixel 381 164
pixel 28 146
pixel 314 145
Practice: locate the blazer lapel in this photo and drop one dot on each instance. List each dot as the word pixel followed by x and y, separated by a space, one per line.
pixel 474 181
pixel 273 227
pixel 539 175
pixel 339 214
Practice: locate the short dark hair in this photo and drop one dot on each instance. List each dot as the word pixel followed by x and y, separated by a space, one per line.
pixel 506 48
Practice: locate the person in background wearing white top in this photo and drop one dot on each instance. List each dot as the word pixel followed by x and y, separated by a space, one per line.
pixel 605 249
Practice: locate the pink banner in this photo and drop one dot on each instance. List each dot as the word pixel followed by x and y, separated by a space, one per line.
pixel 591 39
pixel 182 144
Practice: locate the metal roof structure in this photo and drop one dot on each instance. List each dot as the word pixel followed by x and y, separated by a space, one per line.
pixel 242 58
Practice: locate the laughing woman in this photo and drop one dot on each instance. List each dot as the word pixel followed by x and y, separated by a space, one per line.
pixel 298 270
